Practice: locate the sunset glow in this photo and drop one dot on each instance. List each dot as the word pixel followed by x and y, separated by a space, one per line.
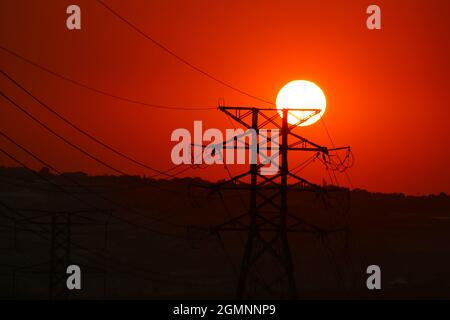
pixel 301 94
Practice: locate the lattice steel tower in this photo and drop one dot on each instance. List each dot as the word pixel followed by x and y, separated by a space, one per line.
pixel 60 248
pixel 267 268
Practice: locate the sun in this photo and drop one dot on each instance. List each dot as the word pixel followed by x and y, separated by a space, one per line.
pixel 301 94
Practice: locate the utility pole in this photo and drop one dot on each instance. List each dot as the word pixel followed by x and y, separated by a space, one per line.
pixel 267 268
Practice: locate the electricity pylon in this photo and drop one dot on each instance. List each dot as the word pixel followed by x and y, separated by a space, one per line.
pixel 61 225
pixel 267 268
pixel 60 248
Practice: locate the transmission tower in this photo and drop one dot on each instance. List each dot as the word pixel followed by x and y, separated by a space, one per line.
pixel 267 268
pixel 60 248
pixel 61 225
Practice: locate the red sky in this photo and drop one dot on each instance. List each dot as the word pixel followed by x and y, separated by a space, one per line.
pixel 387 91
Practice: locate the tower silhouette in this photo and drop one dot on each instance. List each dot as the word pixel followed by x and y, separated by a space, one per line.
pixel 267 268
pixel 60 249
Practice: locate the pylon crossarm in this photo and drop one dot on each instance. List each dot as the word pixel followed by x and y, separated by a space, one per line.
pixel 246 186
pixel 224 146
pixel 300 121
pixel 240 113
pixel 269 120
pixel 304 146
pixel 237 117
pixel 308 142
pixel 323 150
pixel 269 139
pixel 237 178
pixel 339 148
pixel 304 181
pixel 246 147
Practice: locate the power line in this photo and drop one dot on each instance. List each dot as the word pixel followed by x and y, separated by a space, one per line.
pixel 126 266
pixel 90 136
pixel 90 156
pixel 107 165
pixel 176 237
pixel 61 137
pixel 76 197
pixel 37 188
pixel 14 210
pixel 345 215
pixel 85 152
pixel 337 154
pixel 179 58
pixel 102 92
pixel 43 177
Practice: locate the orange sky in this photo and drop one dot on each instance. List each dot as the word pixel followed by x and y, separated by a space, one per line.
pixel 387 91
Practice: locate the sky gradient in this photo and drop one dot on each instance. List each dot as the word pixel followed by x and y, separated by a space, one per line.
pixel 387 91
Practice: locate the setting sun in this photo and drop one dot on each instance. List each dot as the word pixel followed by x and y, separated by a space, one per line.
pixel 301 94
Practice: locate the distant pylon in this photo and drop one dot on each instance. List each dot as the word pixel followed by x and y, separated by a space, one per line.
pixel 60 248
pixel 60 225
pixel 267 268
